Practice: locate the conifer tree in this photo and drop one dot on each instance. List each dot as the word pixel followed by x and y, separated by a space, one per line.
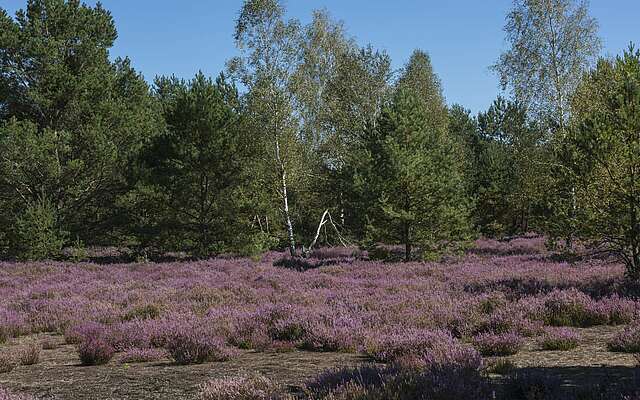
pixel 422 198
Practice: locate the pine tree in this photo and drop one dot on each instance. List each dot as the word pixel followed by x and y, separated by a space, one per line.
pixel 73 121
pixel 422 198
pixel 605 140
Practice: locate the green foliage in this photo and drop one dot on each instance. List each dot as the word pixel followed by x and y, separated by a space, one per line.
pixel 73 121
pixel 36 234
pixel 78 251
pixel 510 156
pixel 605 141
pixel 419 178
pixel 91 155
pixel 194 173
pixel 551 44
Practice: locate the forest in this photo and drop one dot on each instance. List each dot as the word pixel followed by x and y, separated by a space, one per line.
pixel 313 223
pixel 310 139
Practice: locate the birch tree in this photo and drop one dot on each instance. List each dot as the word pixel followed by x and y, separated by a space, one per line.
pixel 551 44
pixel 270 53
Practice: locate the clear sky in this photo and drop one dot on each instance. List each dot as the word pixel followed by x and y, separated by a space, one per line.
pixel 463 37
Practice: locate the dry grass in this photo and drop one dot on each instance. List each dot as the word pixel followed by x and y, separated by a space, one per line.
pixel 60 376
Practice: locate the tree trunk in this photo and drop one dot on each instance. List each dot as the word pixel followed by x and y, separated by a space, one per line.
pixel 285 200
pixel 407 244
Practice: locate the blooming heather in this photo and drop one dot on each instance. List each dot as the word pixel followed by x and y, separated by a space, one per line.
pixel 498 344
pixel 344 303
pixel 559 339
pixel 196 346
pixel 626 341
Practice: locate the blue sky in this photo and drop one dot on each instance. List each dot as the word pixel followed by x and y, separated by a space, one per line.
pixel 463 37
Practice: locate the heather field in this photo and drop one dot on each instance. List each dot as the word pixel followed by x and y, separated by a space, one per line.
pixel 508 320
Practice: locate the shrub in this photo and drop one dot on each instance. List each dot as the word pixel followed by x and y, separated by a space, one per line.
pixel 12 324
pixel 30 354
pixel 197 347
pixel 95 350
pixel 369 383
pixel 498 344
pixel 135 355
pixel 7 362
pixel 245 387
pixel 331 381
pixel 500 366
pixel 76 333
pixel 250 333
pixel 37 235
pixel 574 308
pixel 492 302
pixel 452 356
pixel 143 311
pixel 340 334
pixel 559 339
pixel 390 347
pixel 506 321
pixel 626 341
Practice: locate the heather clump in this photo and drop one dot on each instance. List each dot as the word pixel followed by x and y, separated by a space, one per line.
pixel 572 308
pixel 7 361
pixel 250 333
pixel 559 339
pixel 491 302
pixel 627 340
pixel 332 334
pixel 132 334
pixel 12 324
pixel 76 333
pixel 498 344
pixel 454 356
pixel 505 321
pixel 242 387
pixel 394 345
pixel 95 350
pixel 143 311
pixel 196 346
pixel 93 345
pixel 620 310
pixel 29 354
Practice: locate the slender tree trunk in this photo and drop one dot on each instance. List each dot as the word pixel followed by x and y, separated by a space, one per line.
pixel 407 244
pixel 341 210
pixel 285 199
pixel 635 223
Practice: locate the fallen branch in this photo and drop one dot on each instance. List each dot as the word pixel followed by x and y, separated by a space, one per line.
pixel 326 217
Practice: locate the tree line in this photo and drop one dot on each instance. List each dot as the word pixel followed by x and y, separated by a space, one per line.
pixel 309 138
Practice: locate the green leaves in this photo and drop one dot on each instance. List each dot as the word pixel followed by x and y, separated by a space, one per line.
pixel 74 121
pixel 415 170
pixel 606 140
